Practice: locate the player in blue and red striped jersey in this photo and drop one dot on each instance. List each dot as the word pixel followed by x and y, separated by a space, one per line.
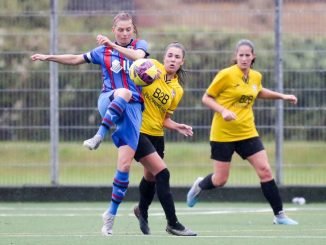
pixel 119 96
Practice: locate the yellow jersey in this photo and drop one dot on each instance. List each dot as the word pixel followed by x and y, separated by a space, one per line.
pixel 230 90
pixel 160 97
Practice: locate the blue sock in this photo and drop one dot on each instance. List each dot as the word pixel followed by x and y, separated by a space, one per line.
pixel 103 129
pixel 113 113
pixel 119 189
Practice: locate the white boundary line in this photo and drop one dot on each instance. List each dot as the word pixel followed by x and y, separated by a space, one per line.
pixel 286 237
pixel 155 211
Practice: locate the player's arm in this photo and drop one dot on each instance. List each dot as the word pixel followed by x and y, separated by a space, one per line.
pixel 65 59
pixel 211 103
pixel 183 129
pixel 272 95
pixel 132 54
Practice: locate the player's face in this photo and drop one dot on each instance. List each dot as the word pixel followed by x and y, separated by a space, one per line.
pixel 173 59
pixel 123 31
pixel 244 57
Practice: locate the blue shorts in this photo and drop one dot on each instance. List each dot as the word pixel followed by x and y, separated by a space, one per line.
pixel 128 126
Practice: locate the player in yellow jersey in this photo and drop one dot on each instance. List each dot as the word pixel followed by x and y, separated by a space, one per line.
pixel 231 96
pixel 161 98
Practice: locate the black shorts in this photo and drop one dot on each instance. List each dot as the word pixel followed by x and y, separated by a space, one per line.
pixel 223 151
pixel 148 144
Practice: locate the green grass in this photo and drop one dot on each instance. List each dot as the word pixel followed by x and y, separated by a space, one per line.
pixel 29 163
pixel 215 223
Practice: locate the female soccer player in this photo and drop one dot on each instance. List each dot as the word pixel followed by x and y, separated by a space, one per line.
pixel 119 96
pixel 231 96
pixel 161 99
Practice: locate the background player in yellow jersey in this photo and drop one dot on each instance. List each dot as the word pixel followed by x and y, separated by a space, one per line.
pixel 231 96
pixel 161 98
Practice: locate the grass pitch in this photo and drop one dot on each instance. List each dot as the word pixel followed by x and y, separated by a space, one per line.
pixel 215 223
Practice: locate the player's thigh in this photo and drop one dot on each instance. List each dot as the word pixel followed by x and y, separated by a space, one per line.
pixel 261 165
pixel 153 163
pixel 125 157
pixel 103 102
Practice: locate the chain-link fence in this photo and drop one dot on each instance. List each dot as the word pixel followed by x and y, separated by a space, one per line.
pixel 209 30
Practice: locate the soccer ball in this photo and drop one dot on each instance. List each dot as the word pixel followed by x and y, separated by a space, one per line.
pixel 143 72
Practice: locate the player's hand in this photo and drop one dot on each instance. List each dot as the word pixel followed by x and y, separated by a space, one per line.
pixel 103 40
pixel 41 57
pixel 158 74
pixel 185 130
pixel 228 115
pixel 291 98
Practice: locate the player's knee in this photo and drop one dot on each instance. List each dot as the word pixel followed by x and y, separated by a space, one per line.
pixel 124 164
pixel 163 176
pixel 265 173
pixel 219 181
pixel 149 177
pixel 126 94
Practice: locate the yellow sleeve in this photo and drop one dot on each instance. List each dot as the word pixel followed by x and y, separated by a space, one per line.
pixel 158 65
pixel 178 93
pixel 217 85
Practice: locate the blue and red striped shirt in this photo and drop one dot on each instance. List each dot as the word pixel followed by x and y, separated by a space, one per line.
pixel 115 67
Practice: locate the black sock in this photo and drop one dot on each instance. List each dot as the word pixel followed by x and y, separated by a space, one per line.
pixel 147 192
pixel 206 183
pixel 272 194
pixel 165 196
